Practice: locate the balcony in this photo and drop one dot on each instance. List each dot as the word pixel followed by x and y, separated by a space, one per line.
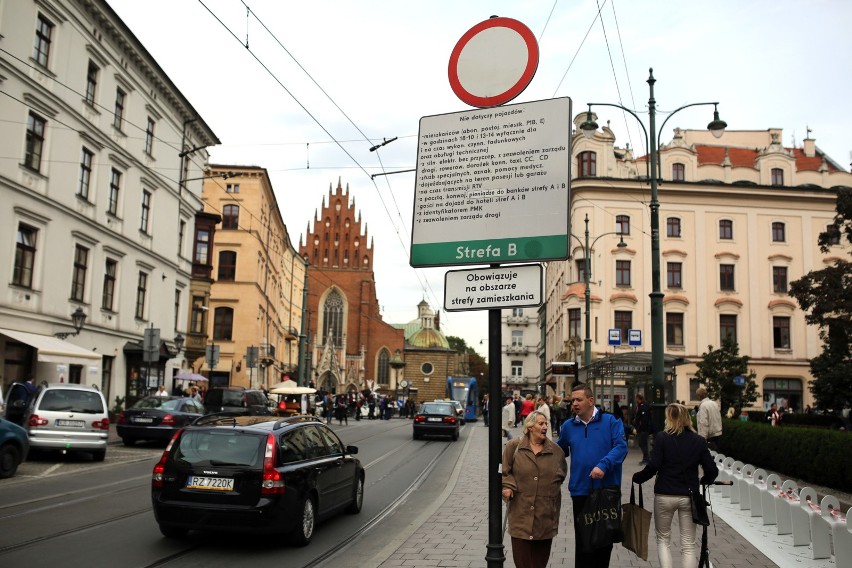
pixel 517 320
pixel 517 349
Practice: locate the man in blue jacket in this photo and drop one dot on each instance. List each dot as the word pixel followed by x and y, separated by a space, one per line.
pixel 595 443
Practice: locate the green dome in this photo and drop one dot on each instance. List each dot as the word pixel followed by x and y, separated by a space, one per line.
pixel 428 338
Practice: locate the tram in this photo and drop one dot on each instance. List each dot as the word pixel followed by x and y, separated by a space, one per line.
pixel 464 390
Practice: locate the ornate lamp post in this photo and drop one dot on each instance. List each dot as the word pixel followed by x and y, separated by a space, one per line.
pixel 78 319
pixel 717 128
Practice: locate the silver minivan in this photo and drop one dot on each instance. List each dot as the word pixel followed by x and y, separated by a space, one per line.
pixel 68 418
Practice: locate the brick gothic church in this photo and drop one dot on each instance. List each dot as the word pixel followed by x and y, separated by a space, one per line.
pixel 350 346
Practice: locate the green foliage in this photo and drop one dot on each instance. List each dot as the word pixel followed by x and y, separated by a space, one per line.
pixel 717 369
pixel 818 456
pixel 826 297
pixel 119 405
pixel 477 365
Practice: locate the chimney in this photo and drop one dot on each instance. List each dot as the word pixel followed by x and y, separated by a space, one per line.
pixel 810 147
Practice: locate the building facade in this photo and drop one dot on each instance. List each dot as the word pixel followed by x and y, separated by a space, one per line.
pixel 520 359
pixel 259 279
pixel 350 346
pixel 97 221
pixel 739 220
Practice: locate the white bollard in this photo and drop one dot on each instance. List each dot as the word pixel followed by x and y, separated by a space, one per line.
pixel 745 487
pixel 801 517
pixel 821 524
pixel 769 497
pixel 736 477
pixel 788 499
pixel 840 532
pixel 756 491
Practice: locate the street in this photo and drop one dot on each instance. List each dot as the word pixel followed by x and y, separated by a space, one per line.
pixel 67 510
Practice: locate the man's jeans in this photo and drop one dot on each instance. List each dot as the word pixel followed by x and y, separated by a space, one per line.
pixel 642 441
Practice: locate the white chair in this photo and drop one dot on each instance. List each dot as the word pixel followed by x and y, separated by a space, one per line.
pixel 801 516
pixel 821 525
pixel 723 475
pixel 756 491
pixel 736 477
pixel 769 498
pixel 728 469
pixel 788 499
pixel 745 486
pixel 840 533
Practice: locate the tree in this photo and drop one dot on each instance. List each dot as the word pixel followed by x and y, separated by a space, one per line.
pixel 716 371
pixel 826 298
pixel 477 366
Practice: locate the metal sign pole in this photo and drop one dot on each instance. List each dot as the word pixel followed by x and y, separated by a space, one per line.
pixel 495 555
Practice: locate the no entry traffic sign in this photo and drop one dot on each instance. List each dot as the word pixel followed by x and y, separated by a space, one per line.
pixel 493 62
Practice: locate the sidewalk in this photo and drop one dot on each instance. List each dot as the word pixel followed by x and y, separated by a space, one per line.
pixel 459 539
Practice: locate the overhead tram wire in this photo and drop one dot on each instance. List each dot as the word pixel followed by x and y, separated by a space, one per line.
pixel 624 60
pixel 592 25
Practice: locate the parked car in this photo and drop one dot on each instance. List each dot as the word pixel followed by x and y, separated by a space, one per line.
pixel 68 418
pixel 157 418
pixel 237 400
pixel 14 446
pixel 17 400
pixel 436 419
pixel 255 474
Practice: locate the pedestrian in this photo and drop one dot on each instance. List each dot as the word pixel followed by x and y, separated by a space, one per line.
pixel 340 410
pixel 508 418
pixel 643 427
pixel 485 410
pixel 533 470
pixel 709 419
pixel 527 406
pixel 594 440
pixel 328 407
pixel 193 393
pixel 371 415
pixel 772 415
pixel 544 408
pixel 516 400
pixel 29 386
pixel 162 391
pixel 678 451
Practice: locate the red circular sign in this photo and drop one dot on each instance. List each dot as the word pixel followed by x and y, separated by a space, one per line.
pixel 493 62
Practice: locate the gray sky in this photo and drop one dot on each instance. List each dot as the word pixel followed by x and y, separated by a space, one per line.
pixel 383 64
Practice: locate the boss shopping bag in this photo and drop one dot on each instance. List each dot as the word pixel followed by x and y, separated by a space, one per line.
pixel 636 524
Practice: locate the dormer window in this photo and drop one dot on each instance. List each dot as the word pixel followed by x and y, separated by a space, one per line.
pixel 678 172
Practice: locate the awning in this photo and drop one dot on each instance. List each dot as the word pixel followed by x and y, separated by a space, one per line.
pixel 54 350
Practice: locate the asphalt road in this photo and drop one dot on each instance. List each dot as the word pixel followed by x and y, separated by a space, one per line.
pixel 69 511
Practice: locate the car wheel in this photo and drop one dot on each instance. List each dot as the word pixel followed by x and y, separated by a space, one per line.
pixel 128 441
pixel 305 531
pixel 416 436
pixel 10 457
pixel 357 497
pixel 98 455
pixel 172 532
pixel 455 435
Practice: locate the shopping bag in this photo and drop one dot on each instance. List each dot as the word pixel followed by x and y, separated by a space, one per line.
pixel 699 508
pixel 636 524
pixel 600 519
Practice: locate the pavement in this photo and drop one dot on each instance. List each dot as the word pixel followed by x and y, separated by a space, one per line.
pixel 459 539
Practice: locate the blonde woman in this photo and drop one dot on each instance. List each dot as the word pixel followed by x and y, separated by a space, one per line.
pixel 677 453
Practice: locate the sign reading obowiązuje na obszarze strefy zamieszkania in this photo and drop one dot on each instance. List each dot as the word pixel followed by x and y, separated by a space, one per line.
pixel 492 185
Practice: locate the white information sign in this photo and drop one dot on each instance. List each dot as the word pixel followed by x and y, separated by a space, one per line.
pixel 492 185
pixel 493 288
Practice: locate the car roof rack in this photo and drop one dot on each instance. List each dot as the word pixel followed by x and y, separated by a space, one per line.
pixel 281 422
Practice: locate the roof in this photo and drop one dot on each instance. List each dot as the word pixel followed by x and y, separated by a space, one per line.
pixel 428 338
pixel 747 157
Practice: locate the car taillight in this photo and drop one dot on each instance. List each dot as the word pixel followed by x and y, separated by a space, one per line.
pixel 36 421
pixel 168 420
pixel 450 419
pixel 273 481
pixel 420 418
pixel 122 419
pixel 160 468
pixel 101 424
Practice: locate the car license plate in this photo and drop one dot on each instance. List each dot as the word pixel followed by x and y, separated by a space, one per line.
pixel 433 419
pixel 210 483
pixel 143 420
pixel 70 423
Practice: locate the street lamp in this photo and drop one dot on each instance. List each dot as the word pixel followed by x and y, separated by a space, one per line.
pixel 717 128
pixel 78 319
pixel 179 340
pixel 587 251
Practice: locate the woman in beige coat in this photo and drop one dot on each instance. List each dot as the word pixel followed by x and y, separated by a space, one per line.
pixel 533 471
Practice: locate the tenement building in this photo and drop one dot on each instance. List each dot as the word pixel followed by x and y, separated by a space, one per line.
pixel 739 220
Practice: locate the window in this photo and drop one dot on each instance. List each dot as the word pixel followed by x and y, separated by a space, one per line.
pixel 517 369
pixel 91 82
pixel 149 137
pixel 624 322
pixel 674 329
pixel 196 325
pixel 181 234
pixel 778 232
pixel 726 277
pixel 781 332
pixel 783 392
pixel 108 296
pixel 833 237
pixel 44 31
pixel 581 270
pixel 517 338
pixel 383 370
pixel 673 274
pixel 118 114
pixel 146 211
pixel 779 279
pixel 231 217
pixel 517 312
pixel 574 322
pixel 726 229
pixel 141 293
pixel 25 249
pixel 35 142
pixel 622 273
pixel 332 320
pixel 622 224
pixel 85 173
pixel 232 188
pixel 223 323
pixel 727 328
pixel 227 266
pixel 114 190
pixel 587 162
pixel 777 176
pixel 678 172
pixel 202 246
pixel 427 368
pixel 78 277
pixel 673 227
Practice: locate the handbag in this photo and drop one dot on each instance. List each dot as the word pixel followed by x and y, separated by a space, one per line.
pixel 636 524
pixel 699 508
pixel 599 521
